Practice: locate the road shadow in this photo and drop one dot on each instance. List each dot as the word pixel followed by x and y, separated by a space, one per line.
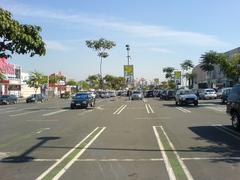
pixel 225 144
pixel 26 156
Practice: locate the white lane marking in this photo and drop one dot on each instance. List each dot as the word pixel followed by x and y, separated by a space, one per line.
pixel 4 155
pixel 3 109
pixel 144 100
pixel 45 160
pixel 164 155
pixel 24 113
pixel 147 108
pixel 119 160
pixel 118 109
pixel 183 110
pixel 220 128
pixel 184 167
pixel 42 120
pixel 211 158
pixel 64 169
pixel 67 154
pixel 216 109
pixel 150 108
pixel 122 109
pixel 41 130
pixel 55 112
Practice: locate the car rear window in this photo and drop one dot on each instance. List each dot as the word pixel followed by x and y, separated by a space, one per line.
pixel 81 96
pixel 210 90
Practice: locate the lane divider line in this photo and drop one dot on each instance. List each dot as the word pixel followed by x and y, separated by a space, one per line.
pixel 183 110
pixel 78 155
pixel 150 108
pixel 122 109
pixel 55 112
pixel 24 113
pixel 118 109
pixel 147 108
pixel 46 172
pixel 184 167
pixel 211 158
pixel 164 155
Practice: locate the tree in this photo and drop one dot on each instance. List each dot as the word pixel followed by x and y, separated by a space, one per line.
pixel 113 82
pixel 93 81
pixel 101 46
pixel 36 80
pixel 19 38
pixel 2 76
pixel 72 82
pixel 186 66
pixel 208 60
pixel 169 72
pixel 84 85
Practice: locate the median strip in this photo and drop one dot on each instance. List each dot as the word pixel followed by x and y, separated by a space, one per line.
pixel 174 164
pixel 61 166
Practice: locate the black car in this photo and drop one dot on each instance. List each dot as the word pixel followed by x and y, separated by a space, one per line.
pixel 168 94
pixel 36 98
pixel 149 93
pixel 8 99
pixel 233 106
pixel 82 100
pixel 225 94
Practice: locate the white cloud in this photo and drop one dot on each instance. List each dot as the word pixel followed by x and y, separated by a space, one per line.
pixel 131 28
pixel 55 45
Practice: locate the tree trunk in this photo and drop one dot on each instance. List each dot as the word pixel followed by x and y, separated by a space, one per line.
pixel 101 83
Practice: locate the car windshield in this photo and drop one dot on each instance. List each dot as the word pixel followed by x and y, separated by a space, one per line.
pixel 187 92
pixel 210 90
pixel 81 96
pixel 5 96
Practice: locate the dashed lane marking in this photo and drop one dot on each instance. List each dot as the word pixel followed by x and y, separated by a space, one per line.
pixel 150 108
pixel 120 109
pixel 183 110
pixel 147 108
pixel 24 113
pixel 55 112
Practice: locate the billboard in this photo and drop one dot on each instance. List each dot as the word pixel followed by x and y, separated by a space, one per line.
pixel 128 74
pixel 177 76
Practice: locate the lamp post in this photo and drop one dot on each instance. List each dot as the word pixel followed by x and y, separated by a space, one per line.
pixel 128 49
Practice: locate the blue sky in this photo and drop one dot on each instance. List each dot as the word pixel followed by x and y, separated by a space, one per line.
pixel 160 33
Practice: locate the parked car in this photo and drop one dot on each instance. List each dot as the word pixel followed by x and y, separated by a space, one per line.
pixel 225 94
pixel 207 94
pixel 112 94
pixel 8 99
pixel 169 94
pixel 36 98
pixel 186 97
pixel 149 93
pixel 233 106
pixel 137 95
pixel 82 100
pixel 219 93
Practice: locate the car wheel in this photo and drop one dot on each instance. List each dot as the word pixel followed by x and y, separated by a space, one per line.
pixel 196 104
pixel 176 103
pixel 72 107
pixel 235 121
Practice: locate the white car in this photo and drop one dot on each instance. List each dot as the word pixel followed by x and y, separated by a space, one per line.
pixel 207 94
pixel 186 97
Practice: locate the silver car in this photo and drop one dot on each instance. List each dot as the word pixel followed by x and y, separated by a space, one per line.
pixel 207 94
pixel 186 97
pixel 137 95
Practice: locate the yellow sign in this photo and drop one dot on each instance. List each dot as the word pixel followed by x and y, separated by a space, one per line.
pixel 177 74
pixel 128 69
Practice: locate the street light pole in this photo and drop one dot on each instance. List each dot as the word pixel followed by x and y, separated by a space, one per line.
pixel 128 49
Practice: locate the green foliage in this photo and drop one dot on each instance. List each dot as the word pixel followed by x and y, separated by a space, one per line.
pixel 19 38
pixel 93 81
pixel 72 82
pixel 208 60
pixel 36 80
pixel 169 72
pixel 55 79
pixel 113 82
pixel 171 84
pixel 84 85
pixel 187 65
pixel 2 76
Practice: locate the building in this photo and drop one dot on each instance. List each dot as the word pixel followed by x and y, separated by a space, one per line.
pixel 11 84
pixel 202 79
pixel 25 89
pixel 57 84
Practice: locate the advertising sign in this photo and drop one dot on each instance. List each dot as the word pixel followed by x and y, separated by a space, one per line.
pixel 177 75
pixel 5 68
pixel 128 74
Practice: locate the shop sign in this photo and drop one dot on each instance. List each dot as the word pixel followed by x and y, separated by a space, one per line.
pixel 5 68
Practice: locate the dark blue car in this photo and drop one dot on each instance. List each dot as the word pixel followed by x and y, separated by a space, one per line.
pixel 82 100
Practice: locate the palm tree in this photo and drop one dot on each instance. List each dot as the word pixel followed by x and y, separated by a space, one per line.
pixel 186 66
pixel 208 60
pixel 169 72
pixel 101 46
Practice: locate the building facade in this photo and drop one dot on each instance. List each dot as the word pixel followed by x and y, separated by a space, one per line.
pixel 214 79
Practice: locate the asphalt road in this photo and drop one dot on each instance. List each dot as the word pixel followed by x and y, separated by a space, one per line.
pixel 118 139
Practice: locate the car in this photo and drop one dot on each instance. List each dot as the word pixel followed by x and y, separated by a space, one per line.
pixel 137 95
pixel 186 97
pixel 82 100
pixel 168 94
pixel 219 93
pixel 8 99
pixel 207 94
pixel 36 98
pixel 233 106
pixel 149 93
pixel 112 94
pixel 225 94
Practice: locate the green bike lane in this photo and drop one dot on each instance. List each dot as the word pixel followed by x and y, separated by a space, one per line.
pixel 203 139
